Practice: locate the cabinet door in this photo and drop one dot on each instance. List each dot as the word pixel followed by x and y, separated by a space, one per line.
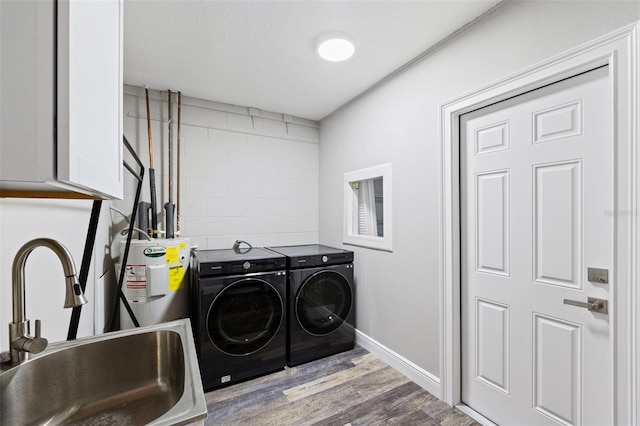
pixel 27 59
pixel 89 136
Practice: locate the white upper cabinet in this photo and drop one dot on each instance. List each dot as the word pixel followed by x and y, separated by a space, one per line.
pixel 61 98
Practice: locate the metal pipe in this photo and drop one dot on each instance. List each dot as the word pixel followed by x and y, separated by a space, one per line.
pixel 149 138
pixel 170 123
pixel 178 166
pixel 169 207
pixel 152 174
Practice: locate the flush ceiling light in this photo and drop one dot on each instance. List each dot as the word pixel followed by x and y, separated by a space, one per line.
pixel 335 47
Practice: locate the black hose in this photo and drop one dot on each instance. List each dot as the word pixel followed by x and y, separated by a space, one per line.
pixel 238 243
pixel 119 295
pixel 86 264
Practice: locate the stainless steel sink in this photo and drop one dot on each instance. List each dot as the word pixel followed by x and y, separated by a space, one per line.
pixel 147 375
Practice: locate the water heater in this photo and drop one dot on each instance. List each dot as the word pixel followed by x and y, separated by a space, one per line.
pixel 156 281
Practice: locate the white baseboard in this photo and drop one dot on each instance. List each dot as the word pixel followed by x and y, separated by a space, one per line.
pixel 420 376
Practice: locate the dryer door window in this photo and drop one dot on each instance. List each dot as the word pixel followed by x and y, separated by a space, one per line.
pixel 245 316
pixel 323 302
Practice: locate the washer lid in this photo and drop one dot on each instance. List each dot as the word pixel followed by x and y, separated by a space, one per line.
pixel 312 255
pixel 227 261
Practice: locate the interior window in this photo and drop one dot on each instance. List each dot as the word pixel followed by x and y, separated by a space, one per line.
pixel 368 207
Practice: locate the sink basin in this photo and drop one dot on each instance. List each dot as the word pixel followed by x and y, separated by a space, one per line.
pixel 146 375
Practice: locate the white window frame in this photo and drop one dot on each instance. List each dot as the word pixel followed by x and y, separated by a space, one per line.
pixel 350 233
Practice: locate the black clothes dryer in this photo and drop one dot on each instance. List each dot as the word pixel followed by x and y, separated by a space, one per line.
pixel 238 311
pixel 321 299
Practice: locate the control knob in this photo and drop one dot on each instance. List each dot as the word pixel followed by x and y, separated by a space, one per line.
pixel 325 259
pixel 246 265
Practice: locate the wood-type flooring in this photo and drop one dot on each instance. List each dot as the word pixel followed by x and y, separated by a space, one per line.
pixel 352 388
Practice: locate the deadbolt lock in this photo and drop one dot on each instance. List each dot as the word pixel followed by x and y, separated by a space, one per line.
pixel 597 275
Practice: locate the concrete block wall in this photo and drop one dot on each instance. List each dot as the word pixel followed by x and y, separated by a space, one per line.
pixel 246 174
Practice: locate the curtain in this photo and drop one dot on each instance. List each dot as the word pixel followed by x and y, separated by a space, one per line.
pixel 367 220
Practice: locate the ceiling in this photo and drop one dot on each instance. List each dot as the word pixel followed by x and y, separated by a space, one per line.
pixel 261 54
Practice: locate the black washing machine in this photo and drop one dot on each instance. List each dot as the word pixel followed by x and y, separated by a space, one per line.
pixel 321 297
pixel 238 312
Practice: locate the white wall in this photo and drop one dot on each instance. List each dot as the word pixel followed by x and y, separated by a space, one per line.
pixel 245 174
pixel 67 221
pixel 398 122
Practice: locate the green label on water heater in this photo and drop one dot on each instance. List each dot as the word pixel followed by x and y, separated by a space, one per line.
pixel 157 251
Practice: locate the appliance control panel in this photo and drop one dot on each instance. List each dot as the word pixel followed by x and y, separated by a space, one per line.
pixel 240 267
pixel 319 260
pixel 224 262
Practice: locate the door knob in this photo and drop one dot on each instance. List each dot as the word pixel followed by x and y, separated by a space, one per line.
pixel 593 304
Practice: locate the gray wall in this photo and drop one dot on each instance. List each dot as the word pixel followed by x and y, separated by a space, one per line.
pixel 398 122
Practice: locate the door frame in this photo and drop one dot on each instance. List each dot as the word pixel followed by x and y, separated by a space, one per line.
pixel 620 50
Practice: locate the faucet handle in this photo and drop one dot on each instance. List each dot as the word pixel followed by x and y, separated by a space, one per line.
pixel 38 329
pixel 36 344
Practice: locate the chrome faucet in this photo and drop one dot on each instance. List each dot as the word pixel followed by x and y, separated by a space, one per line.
pixel 20 340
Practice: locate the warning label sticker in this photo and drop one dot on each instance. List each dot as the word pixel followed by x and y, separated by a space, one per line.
pixel 173 255
pixel 136 281
pixel 176 275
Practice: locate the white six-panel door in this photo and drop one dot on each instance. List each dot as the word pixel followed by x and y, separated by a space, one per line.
pixel 536 212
